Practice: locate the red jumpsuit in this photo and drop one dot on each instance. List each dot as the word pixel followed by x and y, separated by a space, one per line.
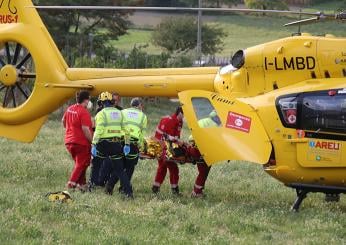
pixel 169 128
pixel 203 170
pixel 76 143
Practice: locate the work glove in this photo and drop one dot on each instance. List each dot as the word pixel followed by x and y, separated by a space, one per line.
pixel 93 151
pixel 126 150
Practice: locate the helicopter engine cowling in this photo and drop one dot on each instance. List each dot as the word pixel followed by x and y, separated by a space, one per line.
pixel 273 65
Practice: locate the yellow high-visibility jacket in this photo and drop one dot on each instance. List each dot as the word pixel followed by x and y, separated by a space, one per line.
pixel 109 124
pixel 134 124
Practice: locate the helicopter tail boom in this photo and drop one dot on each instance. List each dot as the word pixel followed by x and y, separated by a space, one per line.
pixel 144 82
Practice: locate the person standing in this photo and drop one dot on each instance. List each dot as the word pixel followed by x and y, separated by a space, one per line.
pixel 108 143
pixel 103 171
pixel 169 129
pixel 203 169
pixel 97 162
pixel 135 123
pixel 116 100
pixel 78 137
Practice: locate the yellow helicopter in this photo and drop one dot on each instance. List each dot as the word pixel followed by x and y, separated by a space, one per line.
pixel 281 104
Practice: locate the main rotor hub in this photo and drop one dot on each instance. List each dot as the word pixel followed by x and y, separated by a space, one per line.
pixel 8 75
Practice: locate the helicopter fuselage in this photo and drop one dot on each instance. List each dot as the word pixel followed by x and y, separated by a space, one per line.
pixel 296 88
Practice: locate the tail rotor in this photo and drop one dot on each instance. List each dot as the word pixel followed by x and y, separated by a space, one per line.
pixel 17 75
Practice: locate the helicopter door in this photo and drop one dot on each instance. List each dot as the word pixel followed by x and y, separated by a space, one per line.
pixel 322 117
pixel 225 129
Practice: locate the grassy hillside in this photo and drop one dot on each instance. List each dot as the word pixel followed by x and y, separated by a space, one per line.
pixel 243 30
pixel 243 204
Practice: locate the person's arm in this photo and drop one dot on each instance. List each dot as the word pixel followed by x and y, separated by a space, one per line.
pixel 63 120
pixel 144 127
pixel 87 133
pixel 99 124
pixel 86 126
pixel 171 130
pixel 145 123
pixel 127 136
pixel 178 129
pixel 93 123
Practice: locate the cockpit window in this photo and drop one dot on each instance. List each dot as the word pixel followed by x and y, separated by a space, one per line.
pixel 205 112
pixel 326 112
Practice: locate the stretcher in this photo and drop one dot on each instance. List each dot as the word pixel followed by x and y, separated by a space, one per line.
pixel 155 149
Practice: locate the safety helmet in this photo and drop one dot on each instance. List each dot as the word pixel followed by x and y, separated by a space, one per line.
pixel 104 96
pixel 60 196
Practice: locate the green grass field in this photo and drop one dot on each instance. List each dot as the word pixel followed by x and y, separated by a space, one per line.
pixel 136 38
pixel 242 30
pixel 243 204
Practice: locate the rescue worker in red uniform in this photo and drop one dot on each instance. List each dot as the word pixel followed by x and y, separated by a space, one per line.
pixel 169 129
pixel 78 137
pixel 203 169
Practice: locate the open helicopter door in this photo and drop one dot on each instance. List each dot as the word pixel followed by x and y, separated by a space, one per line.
pixel 225 129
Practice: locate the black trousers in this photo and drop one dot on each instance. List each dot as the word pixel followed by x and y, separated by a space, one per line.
pixel 130 162
pixel 105 171
pixel 96 164
pixel 100 171
pixel 113 151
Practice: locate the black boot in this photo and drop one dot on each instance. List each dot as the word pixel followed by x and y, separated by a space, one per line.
pixel 109 190
pixel 155 189
pixel 121 190
pixel 129 196
pixel 175 191
pixel 91 187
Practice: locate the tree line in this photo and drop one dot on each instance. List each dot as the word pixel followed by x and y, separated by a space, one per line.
pixel 71 30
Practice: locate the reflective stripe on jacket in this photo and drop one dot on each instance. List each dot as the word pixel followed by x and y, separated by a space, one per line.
pixel 207 123
pixel 134 123
pixel 109 124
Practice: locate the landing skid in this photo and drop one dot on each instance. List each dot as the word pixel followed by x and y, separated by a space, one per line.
pixel 332 193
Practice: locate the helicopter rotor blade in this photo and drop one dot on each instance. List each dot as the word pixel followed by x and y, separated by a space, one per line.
pixel 2 87
pixel 2 62
pixel 16 53
pixel 8 53
pixel 303 22
pixel 27 75
pixel 22 91
pixel 25 59
pixel 177 9
pixel 4 103
pixel 13 97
